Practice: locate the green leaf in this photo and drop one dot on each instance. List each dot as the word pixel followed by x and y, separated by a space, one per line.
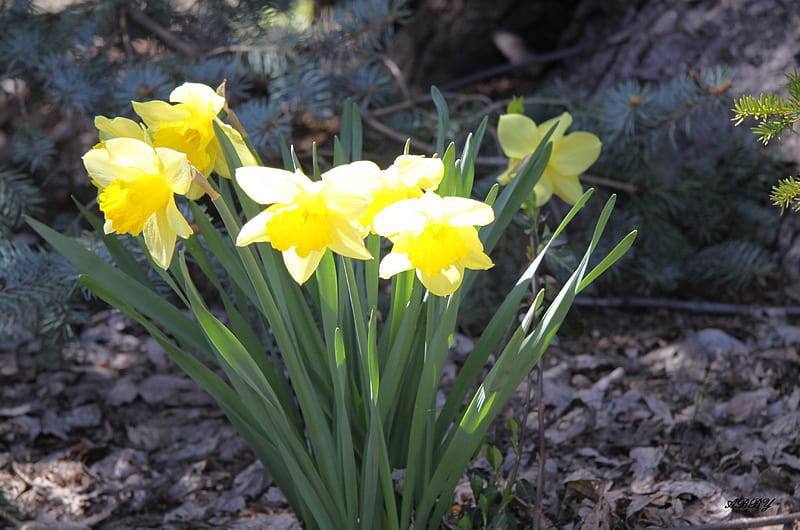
pixel 444 116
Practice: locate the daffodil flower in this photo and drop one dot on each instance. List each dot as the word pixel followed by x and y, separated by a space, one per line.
pixel 572 154
pixel 137 186
pixel 306 217
pixel 437 237
pixel 188 127
pixel 407 178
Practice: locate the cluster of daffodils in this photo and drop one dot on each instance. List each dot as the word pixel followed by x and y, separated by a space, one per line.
pixel 572 154
pixel 139 168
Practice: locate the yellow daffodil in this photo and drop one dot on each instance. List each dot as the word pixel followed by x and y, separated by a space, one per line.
pixel 572 154
pixel 306 217
pixel 120 128
pixel 407 178
pixel 137 184
pixel 437 237
pixel 188 127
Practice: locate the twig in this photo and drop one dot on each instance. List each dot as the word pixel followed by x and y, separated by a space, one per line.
pixel 395 135
pixel 503 68
pixel 398 76
pixel 752 522
pixel 162 33
pixel 691 306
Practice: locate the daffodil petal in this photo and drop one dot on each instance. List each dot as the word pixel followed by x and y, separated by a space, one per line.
pixel 575 153
pixel 348 240
pixel 176 220
pixel 564 121
pixel 352 204
pixel 418 171
pixel 200 98
pixel 518 135
pixel 103 171
pixel 301 269
pixel 159 237
pixel 394 263
pixel 175 169
pixel 246 158
pixel 267 185
pixel 119 128
pixel 254 230
pixel 568 188
pixel 154 112
pixel 543 189
pixel 476 258
pixel 463 211
pixel 129 152
pixel 442 284
pixel 398 217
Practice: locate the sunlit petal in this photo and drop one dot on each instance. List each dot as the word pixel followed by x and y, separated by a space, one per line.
pixel 518 135
pixel 400 216
pixel 201 99
pixel 103 171
pixel 119 128
pixel 442 284
pixel 154 112
pixel 462 211
pixel 418 171
pixel 267 185
pixel 175 169
pixel 301 269
pixel 254 230
pixel 394 263
pixel 348 239
pixel 129 152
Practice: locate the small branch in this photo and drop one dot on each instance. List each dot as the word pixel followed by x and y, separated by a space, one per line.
pixel 687 305
pixel 508 67
pixel 751 522
pixel 396 135
pixel 162 33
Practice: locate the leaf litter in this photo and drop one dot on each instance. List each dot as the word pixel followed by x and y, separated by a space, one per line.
pixel 652 419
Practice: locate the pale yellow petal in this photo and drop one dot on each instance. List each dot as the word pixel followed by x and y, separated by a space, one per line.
pixel 442 284
pixel 564 121
pixel 544 188
pixel 400 216
pixel 108 227
pixel 159 237
pixel 246 158
pixel 119 128
pixel 195 191
pixel 575 153
pixel 418 171
pixel 129 152
pixel 254 230
pixel 176 220
pixel 154 112
pixel 568 187
pixel 357 172
pixel 518 135
pixel 267 185
pixel 476 258
pixel 102 170
pixel 175 169
pixel 344 200
pixel 301 269
pixel 200 98
pixel 348 240
pixel 394 263
pixel 462 211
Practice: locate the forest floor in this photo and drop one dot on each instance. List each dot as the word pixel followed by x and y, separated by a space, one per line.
pixel 652 418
